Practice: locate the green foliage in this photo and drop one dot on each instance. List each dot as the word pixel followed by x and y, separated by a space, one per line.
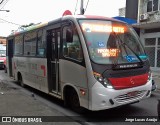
pixel 25 26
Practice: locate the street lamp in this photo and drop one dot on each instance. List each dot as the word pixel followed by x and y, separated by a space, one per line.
pixel 5 10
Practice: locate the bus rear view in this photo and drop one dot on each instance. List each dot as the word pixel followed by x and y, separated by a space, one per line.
pixel 120 68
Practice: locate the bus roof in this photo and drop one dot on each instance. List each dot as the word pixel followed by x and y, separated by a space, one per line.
pixel 92 17
pixel 30 28
pixel 63 18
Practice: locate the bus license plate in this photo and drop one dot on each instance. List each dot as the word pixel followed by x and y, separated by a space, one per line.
pixel 131 94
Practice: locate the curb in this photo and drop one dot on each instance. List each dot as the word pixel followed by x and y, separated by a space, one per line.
pixel 157 90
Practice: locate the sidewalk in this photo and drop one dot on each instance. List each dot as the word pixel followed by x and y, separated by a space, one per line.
pixel 19 105
pixel 156 78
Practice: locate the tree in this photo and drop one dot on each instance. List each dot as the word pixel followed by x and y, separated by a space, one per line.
pixel 25 26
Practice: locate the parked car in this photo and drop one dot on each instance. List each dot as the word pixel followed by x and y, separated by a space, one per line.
pixel 2 59
pixel 2 55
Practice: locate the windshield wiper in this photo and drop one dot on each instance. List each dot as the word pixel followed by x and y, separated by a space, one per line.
pixel 124 45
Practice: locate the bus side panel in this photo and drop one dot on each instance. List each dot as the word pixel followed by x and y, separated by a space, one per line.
pixel 74 74
pixel 33 71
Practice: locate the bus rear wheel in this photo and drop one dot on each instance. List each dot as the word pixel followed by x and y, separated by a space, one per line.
pixel 20 80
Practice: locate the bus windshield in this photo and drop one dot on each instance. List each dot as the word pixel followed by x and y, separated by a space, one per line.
pixel 110 41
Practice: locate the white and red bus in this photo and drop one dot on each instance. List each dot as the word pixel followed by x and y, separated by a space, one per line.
pixel 88 61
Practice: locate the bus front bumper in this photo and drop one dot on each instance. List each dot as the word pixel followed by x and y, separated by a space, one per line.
pixel 105 98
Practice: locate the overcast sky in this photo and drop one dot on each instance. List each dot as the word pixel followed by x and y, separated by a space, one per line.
pixel 23 12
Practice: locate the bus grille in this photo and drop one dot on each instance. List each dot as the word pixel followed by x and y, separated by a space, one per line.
pixel 130 96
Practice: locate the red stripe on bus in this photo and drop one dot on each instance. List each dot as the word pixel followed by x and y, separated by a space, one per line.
pixel 129 82
pixel 44 70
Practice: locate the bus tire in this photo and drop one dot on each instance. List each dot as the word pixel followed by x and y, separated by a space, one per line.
pixel 74 102
pixel 20 80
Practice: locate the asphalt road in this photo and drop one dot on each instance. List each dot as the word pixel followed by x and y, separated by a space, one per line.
pixel 18 101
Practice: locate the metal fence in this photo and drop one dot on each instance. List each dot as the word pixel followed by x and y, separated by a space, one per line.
pixel 152 48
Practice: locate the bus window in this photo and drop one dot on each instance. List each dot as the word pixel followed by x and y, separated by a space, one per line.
pixel 72 49
pixel 18 45
pixel 30 44
pixel 111 42
pixel 41 45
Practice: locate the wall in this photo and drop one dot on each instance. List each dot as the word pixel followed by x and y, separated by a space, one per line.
pixel 152 16
pixel 131 9
pixel 2 40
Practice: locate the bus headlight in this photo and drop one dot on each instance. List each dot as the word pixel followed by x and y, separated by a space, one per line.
pixel 103 81
pixel 107 83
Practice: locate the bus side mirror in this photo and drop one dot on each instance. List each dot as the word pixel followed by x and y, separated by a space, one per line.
pixel 69 35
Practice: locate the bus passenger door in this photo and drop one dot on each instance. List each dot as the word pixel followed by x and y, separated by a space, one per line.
pixel 53 41
pixel 10 56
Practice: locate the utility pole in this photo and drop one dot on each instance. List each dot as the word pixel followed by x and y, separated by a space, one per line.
pixel 81 8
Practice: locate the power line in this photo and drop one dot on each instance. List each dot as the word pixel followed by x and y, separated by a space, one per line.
pixel 86 6
pixel 1 1
pixel 10 22
pixel 75 7
pixel 4 4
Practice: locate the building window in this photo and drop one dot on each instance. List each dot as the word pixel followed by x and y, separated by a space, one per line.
pixel 150 42
pixel 152 5
pixel 152 48
pixel 155 5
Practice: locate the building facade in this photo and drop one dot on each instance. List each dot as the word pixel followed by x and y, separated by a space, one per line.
pixel 131 9
pixel 148 20
pixel 122 12
pixel 2 40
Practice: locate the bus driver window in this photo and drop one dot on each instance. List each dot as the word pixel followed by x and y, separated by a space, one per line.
pixel 72 49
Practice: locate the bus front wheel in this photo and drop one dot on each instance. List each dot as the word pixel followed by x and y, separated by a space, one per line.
pixel 74 102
